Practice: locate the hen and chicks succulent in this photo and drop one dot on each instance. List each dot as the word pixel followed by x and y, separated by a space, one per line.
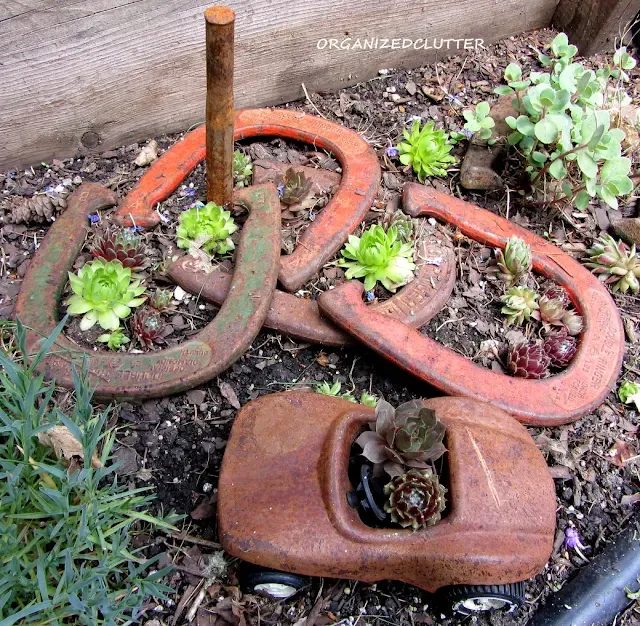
pixel 426 149
pixel 209 227
pixel 124 246
pixel 614 264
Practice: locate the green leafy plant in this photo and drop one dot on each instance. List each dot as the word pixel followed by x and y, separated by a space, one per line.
pixel 614 264
pixel 293 187
pixel 479 121
pixel 209 227
pixel 564 129
pixel 161 299
pixel 629 392
pixel 410 435
pixel 515 262
pixel 379 255
pixel 426 150
pixel 520 304
pixel 124 246
pixel 368 399
pixel 242 169
pixel 103 292
pixel 416 499
pixel 550 312
pixel 334 390
pixel 65 531
pixel 114 340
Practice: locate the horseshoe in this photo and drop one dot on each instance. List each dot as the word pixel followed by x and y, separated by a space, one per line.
pixel 175 369
pixel 559 399
pixel 415 304
pixel 326 234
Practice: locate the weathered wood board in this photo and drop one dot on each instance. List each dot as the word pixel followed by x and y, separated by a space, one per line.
pixel 91 75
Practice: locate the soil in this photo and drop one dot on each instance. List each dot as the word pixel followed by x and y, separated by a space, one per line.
pixel 176 444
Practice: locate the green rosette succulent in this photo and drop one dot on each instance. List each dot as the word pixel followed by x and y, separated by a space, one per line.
pixel 416 499
pixel 379 255
pixel 114 340
pixel 410 435
pixel 209 227
pixel 520 304
pixel 104 293
pixel 515 262
pixel 242 169
pixel 614 264
pixel 426 150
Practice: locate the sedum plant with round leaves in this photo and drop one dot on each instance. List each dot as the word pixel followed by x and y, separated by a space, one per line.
pixel 564 128
pixel 379 255
pixel 479 121
pixel 103 293
pixel 426 150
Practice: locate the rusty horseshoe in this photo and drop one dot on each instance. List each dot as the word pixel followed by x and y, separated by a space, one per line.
pixel 556 400
pixel 326 234
pixel 174 369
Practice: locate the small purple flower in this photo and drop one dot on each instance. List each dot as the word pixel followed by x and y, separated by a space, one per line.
pixel 164 217
pixel 312 215
pixel 49 189
pixel 280 190
pixel 392 152
pixel 453 99
pixel 467 133
pixel 572 538
pixel 196 204
pixel 94 218
pixel 370 296
pixel 12 174
pixel 189 192
pixel 135 229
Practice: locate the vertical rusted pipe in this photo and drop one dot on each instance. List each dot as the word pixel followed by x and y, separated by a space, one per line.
pixel 219 117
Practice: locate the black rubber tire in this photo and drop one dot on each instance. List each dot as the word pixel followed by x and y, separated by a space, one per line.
pixel 253 575
pixel 455 595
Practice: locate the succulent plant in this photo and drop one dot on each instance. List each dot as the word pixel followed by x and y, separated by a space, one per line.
pixel 416 499
pixel 520 304
pixel 242 169
pixel 560 349
pixel 209 227
pixel 379 256
pixel 630 392
pixel 614 264
pixel 572 322
pixel 426 149
pixel 124 246
pixel 410 435
pixel 148 326
pixel 294 186
pixel 515 262
pixel 368 399
pixel 557 292
pixel 550 312
pixel 103 292
pixel 114 339
pixel 528 360
pixel 161 299
pixel 402 223
pixel 334 390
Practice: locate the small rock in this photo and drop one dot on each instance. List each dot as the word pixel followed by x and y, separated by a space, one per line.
pixel 627 228
pixel 502 109
pixel 179 293
pixel 411 88
pixel 196 396
pixel 23 267
pixel 436 94
pixel 148 154
pixel 77 180
pixel 391 181
pixel 128 460
pixel 476 172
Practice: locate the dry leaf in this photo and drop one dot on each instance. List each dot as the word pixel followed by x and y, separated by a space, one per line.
pixel 322 359
pixel 229 394
pixel 622 453
pixel 148 154
pixel 206 509
pixel 634 498
pixel 65 446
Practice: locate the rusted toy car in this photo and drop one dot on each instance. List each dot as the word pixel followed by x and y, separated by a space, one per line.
pixel 286 503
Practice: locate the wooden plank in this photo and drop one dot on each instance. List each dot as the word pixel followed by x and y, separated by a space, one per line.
pixel 116 71
pixel 595 25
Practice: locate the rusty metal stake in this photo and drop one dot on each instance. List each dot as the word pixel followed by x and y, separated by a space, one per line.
pixel 219 116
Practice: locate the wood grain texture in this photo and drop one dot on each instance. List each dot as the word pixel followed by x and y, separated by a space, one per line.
pixel 594 25
pixel 117 71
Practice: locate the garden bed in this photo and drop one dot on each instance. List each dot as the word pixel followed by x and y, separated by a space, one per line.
pixel 177 443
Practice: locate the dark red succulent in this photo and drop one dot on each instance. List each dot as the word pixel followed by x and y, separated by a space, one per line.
pixel 528 360
pixel 560 349
pixel 148 327
pixel 124 246
pixel 557 292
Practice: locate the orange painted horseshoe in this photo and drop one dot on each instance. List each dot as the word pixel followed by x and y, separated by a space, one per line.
pixel 556 400
pixel 326 234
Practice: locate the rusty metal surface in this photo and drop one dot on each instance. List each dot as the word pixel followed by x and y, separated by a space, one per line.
pixel 559 399
pixel 174 369
pixel 415 304
pixel 219 25
pixel 283 484
pixel 324 237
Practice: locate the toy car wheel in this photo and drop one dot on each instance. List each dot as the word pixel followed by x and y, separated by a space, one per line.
pixel 476 598
pixel 269 582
